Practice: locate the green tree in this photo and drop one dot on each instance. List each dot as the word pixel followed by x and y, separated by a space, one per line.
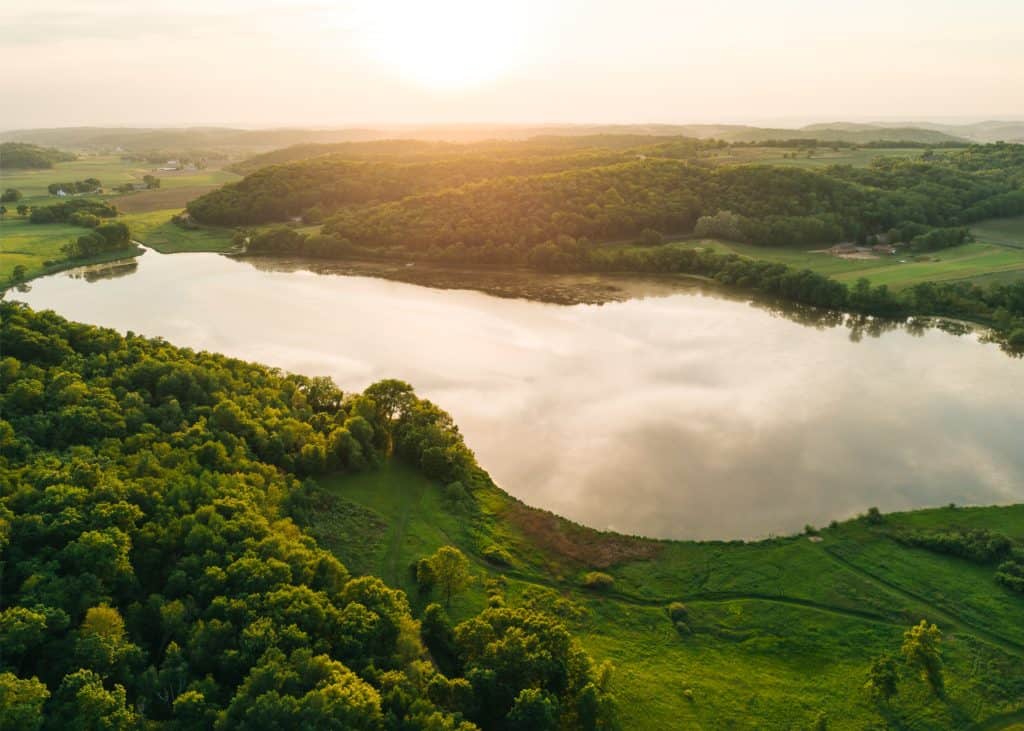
pixel 922 648
pixel 451 571
pixel 83 704
pixel 21 703
pixel 533 710
pixel 883 677
pixel 11 195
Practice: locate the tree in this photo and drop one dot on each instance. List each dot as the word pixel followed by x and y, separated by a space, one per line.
pixel 451 571
pixel 102 642
pixel 533 710
pixel 3 212
pixel 18 273
pixel 83 704
pixel 883 676
pixel 21 703
pixel 923 652
pixel 10 195
pixel 22 210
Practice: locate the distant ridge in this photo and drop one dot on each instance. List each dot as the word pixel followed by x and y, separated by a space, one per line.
pixel 134 139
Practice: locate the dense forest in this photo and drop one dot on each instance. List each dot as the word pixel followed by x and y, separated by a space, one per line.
pixel 19 155
pixel 152 576
pixel 612 194
pixel 321 186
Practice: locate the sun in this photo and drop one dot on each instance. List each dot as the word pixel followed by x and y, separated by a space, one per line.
pixel 443 44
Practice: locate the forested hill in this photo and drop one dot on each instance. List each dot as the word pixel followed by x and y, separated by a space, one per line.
pixel 421 150
pixel 773 205
pixel 313 188
pixel 152 579
pixel 18 155
pixel 619 192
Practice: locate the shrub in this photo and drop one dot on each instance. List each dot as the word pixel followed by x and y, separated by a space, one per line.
pixel 598 581
pixel 425 577
pixel 497 555
pixel 874 516
pixel 1011 575
pixel 678 611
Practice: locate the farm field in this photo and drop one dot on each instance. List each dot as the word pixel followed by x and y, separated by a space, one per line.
pixel 112 171
pixel 850 596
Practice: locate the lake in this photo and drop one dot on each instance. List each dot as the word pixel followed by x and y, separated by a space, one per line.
pixel 682 415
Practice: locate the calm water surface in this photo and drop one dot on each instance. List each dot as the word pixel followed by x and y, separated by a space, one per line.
pixel 687 416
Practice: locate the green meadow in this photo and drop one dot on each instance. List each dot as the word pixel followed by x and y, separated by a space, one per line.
pixel 779 633
pixel 983 258
pixel 155 229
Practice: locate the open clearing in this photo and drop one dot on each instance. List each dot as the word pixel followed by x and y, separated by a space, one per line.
pixel 160 199
pixel 798 621
pixel 967 262
pixel 1002 231
pixel 820 157
pixel 154 229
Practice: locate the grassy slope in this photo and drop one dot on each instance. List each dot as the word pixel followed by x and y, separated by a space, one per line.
pixel 154 229
pixel 783 629
pixel 983 258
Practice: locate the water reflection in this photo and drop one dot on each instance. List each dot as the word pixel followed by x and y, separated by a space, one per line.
pixel 681 415
pixel 108 270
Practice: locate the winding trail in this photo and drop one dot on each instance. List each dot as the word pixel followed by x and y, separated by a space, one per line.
pixel 945 616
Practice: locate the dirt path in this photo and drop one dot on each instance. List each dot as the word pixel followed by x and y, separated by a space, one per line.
pixel 944 616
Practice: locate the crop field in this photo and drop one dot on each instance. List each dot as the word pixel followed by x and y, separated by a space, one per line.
pixel 774 629
pixel 108 169
pixel 112 171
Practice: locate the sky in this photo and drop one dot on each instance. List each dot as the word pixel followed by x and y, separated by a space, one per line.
pixel 329 63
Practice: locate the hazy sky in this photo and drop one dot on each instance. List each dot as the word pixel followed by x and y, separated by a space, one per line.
pixel 342 62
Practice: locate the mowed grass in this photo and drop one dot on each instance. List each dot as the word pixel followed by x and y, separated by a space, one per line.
pixel 37 247
pixel 782 630
pixel 154 229
pixel 1002 231
pixel 966 262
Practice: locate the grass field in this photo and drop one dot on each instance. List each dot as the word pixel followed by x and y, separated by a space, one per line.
pixel 1002 231
pixel 782 630
pixel 33 245
pixel 969 261
pixel 112 171
pixel 154 229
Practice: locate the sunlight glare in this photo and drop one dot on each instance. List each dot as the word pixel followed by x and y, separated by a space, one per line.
pixel 444 44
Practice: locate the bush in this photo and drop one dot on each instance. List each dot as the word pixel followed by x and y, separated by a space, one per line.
pixel 678 611
pixel 598 581
pixel 497 555
pixel 874 516
pixel 425 577
pixel 1011 575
